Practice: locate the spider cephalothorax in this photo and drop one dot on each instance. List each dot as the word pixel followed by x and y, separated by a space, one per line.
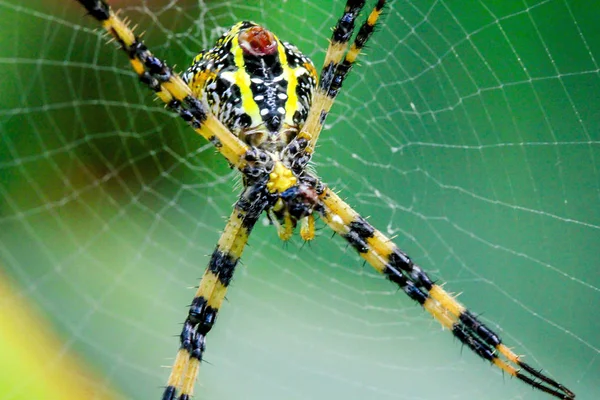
pixel 292 196
pixel 261 89
pixel 257 100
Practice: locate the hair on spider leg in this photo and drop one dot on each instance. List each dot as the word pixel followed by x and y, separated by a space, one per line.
pixel 285 244
pixel 320 228
pixel 238 183
pixel 205 361
pixel 226 299
pixel 306 243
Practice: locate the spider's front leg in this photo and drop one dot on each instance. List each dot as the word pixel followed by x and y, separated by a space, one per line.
pixel 383 255
pixel 168 86
pixel 339 60
pixel 211 292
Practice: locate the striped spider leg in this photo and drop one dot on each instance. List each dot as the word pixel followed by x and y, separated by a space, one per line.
pixel 211 292
pixel 257 100
pixel 385 257
pixel 334 72
pixel 168 86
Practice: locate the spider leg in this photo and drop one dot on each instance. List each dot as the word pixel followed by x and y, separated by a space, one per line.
pixel 383 255
pixel 169 87
pixel 211 292
pixel 334 69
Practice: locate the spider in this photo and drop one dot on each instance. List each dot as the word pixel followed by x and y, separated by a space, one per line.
pixel 260 102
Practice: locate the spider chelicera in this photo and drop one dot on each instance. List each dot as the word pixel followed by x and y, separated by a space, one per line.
pixel 261 104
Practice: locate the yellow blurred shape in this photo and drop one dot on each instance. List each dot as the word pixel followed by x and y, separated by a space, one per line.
pixel 34 364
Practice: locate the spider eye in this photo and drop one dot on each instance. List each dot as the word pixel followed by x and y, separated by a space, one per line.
pixel 258 41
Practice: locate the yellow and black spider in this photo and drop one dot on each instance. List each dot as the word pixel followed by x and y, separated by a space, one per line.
pixel 260 102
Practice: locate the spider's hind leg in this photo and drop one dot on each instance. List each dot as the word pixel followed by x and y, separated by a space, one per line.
pixel 383 255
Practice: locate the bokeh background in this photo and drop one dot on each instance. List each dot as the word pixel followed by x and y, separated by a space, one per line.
pixel 469 132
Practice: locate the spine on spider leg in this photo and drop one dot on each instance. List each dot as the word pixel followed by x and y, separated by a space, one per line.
pixel 386 258
pixel 211 292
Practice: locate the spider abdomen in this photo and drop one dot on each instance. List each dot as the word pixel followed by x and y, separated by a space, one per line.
pixel 259 87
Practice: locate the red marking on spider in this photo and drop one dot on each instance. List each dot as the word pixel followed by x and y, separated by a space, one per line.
pixel 258 41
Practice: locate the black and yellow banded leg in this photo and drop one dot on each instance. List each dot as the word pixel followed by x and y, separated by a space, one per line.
pixel 210 294
pixel 169 87
pixel 383 255
pixel 334 69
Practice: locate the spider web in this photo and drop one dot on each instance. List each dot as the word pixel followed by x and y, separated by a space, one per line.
pixel 469 132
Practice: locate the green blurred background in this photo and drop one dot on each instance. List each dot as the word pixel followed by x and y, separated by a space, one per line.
pixel 470 131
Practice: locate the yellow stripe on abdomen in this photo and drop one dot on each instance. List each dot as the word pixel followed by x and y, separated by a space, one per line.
pixel 242 80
